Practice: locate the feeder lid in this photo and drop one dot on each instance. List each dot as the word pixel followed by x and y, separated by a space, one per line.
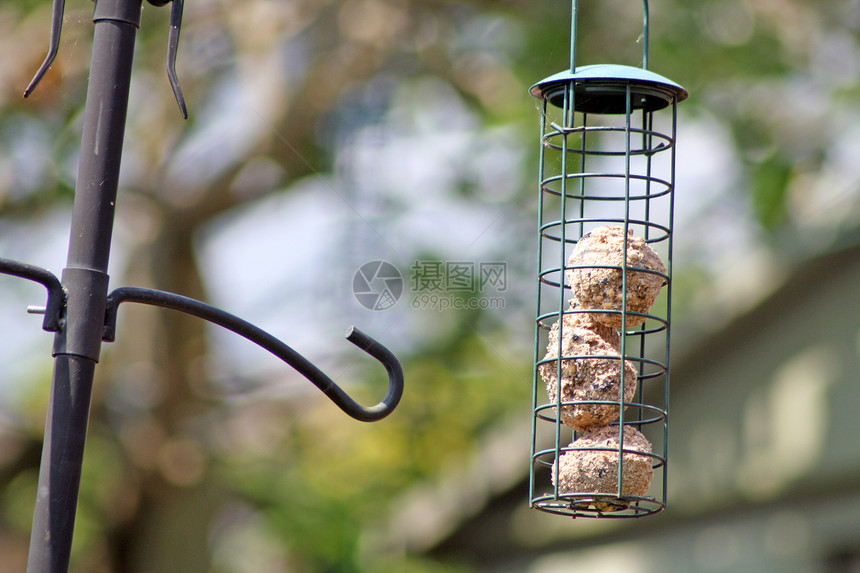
pixel 602 88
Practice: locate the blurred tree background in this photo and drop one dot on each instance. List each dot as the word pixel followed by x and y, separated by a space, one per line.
pixel 328 133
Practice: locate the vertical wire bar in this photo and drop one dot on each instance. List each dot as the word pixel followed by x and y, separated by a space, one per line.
pixel 647 141
pixel 541 193
pixel 573 23
pixel 624 280
pixel 582 166
pixel 670 287
pixel 568 109
pixel 645 34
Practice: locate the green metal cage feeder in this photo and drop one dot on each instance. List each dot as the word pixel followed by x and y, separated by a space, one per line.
pixel 601 367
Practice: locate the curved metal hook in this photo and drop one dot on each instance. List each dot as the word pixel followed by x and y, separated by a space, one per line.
pixel 56 294
pixel 53 49
pixel 172 50
pixel 265 340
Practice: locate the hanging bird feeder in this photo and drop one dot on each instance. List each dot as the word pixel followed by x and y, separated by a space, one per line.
pixel 606 202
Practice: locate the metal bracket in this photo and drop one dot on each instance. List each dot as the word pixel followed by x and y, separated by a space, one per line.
pixel 54 321
pixel 267 341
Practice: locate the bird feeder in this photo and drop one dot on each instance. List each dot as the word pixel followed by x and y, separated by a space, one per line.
pixel 604 288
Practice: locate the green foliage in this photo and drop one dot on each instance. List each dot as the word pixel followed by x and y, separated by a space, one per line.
pixel 18 498
pixel 770 179
pixel 413 564
pixel 338 478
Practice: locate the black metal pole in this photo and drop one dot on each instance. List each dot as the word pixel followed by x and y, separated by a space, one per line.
pixel 85 279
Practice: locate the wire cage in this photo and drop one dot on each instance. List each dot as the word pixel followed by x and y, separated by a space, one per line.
pixel 604 288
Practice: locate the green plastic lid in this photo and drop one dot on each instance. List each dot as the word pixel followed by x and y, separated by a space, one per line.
pixel 602 88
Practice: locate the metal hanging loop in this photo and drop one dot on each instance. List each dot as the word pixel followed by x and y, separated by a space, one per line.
pixel 644 37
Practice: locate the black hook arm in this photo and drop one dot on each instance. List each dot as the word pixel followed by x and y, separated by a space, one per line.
pixel 273 345
pixel 53 49
pixel 56 294
pixel 173 49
